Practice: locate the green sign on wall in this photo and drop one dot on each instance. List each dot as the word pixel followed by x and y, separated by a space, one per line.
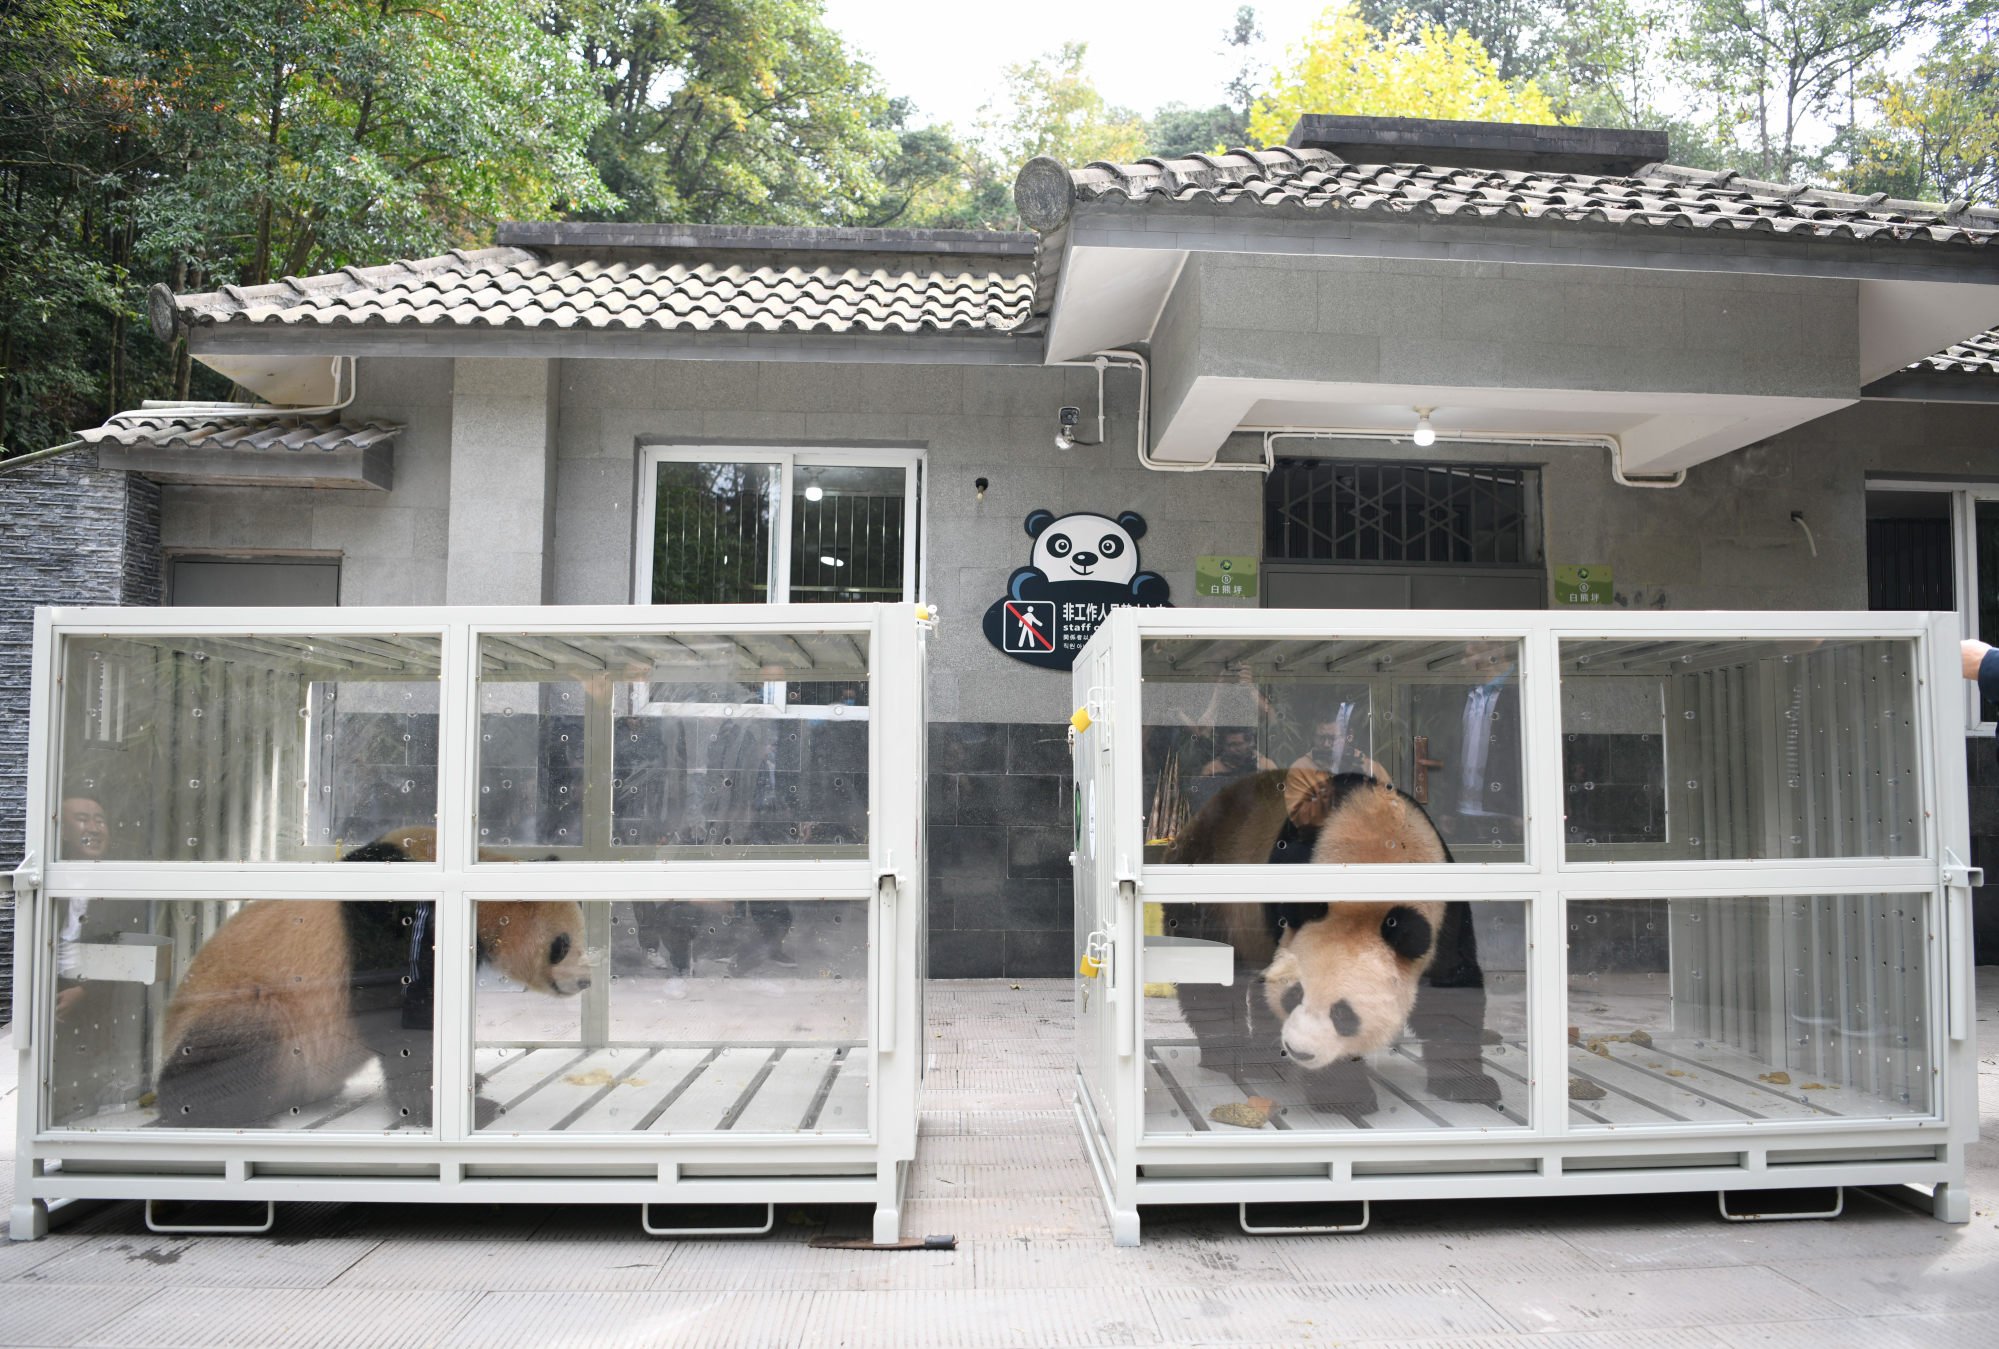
pixel 1582 585
pixel 1232 578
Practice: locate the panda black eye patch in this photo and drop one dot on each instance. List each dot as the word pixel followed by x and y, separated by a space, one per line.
pixel 1110 545
pixel 1292 997
pixel 1059 545
pixel 558 950
pixel 1407 932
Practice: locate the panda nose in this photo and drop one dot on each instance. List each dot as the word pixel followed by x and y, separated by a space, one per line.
pixel 1345 1020
pixel 582 984
pixel 1086 559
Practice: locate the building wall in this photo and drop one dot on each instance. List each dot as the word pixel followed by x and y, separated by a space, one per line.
pixel 71 534
pixel 999 774
pixel 391 544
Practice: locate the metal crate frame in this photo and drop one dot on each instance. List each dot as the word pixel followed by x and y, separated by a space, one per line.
pixel 1113 883
pixel 451 1163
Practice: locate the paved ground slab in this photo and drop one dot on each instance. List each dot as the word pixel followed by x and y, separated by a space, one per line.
pixel 1000 1166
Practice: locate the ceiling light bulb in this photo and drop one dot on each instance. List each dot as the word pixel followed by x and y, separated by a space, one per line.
pixel 814 492
pixel 1425 434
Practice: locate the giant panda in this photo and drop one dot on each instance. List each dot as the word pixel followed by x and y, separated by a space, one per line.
pixel 1327 985
pixel 289 999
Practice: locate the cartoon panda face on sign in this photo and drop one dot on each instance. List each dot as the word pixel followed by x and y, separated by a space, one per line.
pixel 1085 547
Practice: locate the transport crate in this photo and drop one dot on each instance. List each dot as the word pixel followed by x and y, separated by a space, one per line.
pixel 1713 866
pixel 547 905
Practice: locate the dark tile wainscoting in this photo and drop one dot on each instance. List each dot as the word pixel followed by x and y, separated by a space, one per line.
pixel 1000 899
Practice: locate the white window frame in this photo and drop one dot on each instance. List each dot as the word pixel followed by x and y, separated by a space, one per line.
pixel 788 460
pixel 1964 501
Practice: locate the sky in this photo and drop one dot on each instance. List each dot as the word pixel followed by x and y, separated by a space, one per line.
pixel 948 58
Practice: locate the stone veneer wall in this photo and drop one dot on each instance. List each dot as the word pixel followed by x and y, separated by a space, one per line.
pixel 70 533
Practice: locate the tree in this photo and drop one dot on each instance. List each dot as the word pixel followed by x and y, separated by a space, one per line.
pixel 304 137
pixel 729 111
pixel 1514 33
pixel 1939 131
pixel 1050 106
pixel 1771 66
pixel 1346 66
pixel 1177 129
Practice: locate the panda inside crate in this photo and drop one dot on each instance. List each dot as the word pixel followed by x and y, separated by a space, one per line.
pixel 290 998
pixel 1325 986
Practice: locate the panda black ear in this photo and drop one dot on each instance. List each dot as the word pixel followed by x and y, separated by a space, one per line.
pixel 1133 523
pixel 379 851
pixel 1038 521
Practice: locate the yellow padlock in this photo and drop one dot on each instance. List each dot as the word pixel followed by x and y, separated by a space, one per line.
pixel 1081 720
pixel 1089 967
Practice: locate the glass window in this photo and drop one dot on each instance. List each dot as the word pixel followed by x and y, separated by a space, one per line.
pixel 698 1017
pixel 1724 1011
pixel 1236 724
pixel 275 1014
pixel 635 746
pixel 1740 749
pixel 1341 1016
pixel 244 748
pixel 776 526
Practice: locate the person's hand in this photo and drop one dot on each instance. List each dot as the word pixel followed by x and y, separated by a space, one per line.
pixel 1974 656
pixel 67 999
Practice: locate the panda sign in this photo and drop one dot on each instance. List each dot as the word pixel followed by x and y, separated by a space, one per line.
pixel 1082 567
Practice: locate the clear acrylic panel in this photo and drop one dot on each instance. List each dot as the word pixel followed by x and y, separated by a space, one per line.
pixel 1440 720
pixel 714 532
pixel 275 1014
pixel 263 748
pixel 1726 1011
pixel 1285 1018
pixel 1740 749
pixel 644 746
pixel 699 1017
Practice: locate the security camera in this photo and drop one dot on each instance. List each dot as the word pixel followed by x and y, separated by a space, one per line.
pixel 1069 419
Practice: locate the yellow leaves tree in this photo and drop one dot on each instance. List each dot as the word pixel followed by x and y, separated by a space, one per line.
pixel 1346 66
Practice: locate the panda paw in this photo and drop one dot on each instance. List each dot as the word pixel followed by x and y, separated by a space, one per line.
pixel 1343 1090
pixel 1473 1088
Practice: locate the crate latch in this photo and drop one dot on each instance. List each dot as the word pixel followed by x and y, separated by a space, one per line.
pixel 888 883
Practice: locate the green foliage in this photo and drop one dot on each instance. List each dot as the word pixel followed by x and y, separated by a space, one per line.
pixel 1051 107
pixel 1939 132
pixel 200 142
pixel 1177 129
pixel 731 112
pixel 1766 68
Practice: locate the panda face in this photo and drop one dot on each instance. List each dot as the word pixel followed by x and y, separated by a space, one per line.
pixel 536 943
pixel 1343 985
pixel 1085 547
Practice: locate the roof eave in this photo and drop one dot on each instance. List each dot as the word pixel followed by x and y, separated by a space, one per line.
pixel 930 347
pixel 1332 231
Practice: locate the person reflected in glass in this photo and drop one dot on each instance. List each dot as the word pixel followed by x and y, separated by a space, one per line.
pixel 85 836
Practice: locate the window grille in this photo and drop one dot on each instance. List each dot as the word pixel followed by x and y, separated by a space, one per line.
pixel 1319 510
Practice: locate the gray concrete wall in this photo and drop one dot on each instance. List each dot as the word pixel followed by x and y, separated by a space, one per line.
pixel 969 422
pixel 1488 324
pixel 392 544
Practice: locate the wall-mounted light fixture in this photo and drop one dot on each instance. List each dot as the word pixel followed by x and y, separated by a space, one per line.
pixel 981 485
pixel 1425 435
pixel 814 492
